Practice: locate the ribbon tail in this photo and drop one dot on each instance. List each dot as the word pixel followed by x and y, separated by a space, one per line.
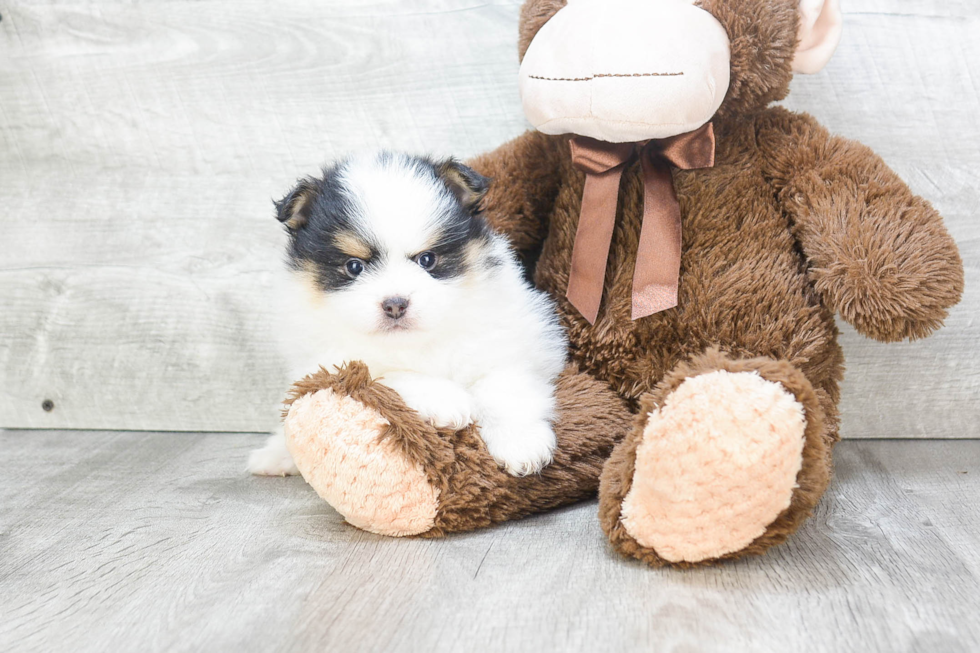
pixel 592 240
pixel 658 258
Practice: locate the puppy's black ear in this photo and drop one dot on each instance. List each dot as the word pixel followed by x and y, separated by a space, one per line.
pixel 468 185
pixel 294 209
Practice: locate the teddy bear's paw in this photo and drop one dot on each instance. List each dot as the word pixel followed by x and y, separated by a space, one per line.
pixel 339 446
pixel 521 449
pixel 273 459
pixel 717 464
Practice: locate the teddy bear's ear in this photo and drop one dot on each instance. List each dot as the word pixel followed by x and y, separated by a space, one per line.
pixel 534 14
pixel 821 25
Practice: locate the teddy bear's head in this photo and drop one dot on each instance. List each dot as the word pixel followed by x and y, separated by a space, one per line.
pixel 630 70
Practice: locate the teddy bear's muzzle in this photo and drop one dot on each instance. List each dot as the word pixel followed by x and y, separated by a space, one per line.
pixel 626 70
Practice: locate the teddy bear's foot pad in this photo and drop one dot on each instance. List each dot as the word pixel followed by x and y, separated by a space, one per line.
pixel 717 464
pixel 355 469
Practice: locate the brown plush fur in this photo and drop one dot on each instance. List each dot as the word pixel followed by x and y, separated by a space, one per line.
pixel 791 225
pixel 473 491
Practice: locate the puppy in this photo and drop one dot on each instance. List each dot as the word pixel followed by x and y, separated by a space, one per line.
pixel 391 263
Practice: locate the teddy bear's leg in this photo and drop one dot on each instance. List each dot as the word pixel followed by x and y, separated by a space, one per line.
pixel 727 458
pixel 389 472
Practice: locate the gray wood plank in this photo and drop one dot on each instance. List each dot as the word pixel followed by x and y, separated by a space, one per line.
pixel 140 144
pixel 160 542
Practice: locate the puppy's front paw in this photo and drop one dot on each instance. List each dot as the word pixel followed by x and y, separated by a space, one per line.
pixel 521 450
pixel 441 402
pixel 273 459
pixel 454 415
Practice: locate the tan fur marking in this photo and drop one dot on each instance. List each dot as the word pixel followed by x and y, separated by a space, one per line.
pixel 353 246
pixel 474 251
pixel 308 281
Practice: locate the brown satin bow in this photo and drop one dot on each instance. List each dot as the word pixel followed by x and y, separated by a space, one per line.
pixel 658 258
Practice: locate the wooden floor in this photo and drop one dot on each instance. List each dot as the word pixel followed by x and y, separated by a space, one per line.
pixel 118 541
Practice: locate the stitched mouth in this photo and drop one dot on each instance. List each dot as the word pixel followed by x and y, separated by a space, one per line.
pixel 600 75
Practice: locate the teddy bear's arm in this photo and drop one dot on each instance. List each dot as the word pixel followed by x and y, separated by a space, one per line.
pixel 525 174
pixel 879 255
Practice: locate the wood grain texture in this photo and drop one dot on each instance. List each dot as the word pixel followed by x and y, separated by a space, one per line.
pixel 141 143
pixel 160 542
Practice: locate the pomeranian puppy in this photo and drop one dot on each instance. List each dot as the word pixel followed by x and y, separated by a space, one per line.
pixel 391 263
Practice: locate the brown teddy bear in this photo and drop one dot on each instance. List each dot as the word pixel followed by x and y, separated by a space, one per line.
pixel 698 243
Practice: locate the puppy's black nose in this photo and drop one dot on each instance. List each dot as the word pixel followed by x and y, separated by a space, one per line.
pixel 395 307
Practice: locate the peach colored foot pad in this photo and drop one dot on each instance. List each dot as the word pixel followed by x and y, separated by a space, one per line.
pixel 717 465
pixel 335 443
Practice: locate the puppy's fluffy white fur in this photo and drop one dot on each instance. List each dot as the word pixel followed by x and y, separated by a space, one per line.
pixel 476 344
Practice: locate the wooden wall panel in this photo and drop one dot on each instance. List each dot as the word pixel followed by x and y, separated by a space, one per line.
pixel 141 144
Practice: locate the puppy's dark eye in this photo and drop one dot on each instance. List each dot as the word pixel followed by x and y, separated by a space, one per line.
pixel 354 267
pixel 427 260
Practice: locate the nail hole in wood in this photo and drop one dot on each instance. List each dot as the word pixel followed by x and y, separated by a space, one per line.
pixel 47 405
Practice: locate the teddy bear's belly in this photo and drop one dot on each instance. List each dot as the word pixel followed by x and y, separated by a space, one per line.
pixel 742 288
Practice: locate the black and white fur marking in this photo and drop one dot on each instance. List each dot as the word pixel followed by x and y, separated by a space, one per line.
pixel 391 263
